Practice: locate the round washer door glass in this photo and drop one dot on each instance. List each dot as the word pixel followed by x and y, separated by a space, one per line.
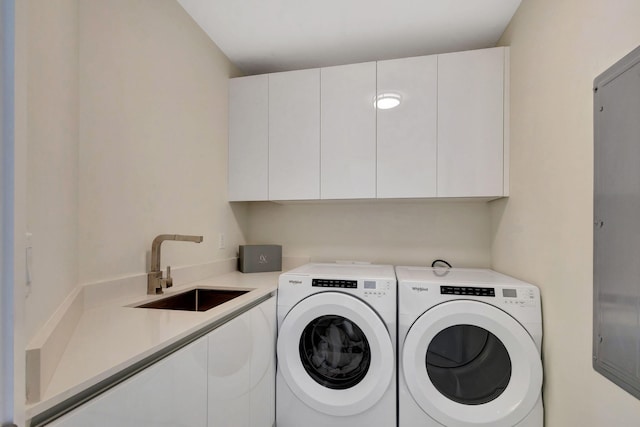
pixel 335 354
pixel 470 363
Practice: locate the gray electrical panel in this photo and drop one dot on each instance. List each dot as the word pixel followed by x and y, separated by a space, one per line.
pixel 616 234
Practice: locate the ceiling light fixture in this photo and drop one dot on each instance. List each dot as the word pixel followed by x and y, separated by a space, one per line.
pixel 385 101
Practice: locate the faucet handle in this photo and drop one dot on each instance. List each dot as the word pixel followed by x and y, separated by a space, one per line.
pixel 169 279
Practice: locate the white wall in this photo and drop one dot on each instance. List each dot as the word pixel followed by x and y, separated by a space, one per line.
pixel 395 232
pixel 543 232
pixel 127 139
pixel 14 52
pixel 52 193
pixel 153 138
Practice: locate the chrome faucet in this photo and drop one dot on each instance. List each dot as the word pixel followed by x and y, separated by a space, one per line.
pixel 155 281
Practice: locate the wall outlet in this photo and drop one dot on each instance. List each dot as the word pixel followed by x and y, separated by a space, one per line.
pixel 221 241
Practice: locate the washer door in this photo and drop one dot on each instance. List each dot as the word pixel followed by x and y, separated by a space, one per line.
pixel 468 363
pixel 335 353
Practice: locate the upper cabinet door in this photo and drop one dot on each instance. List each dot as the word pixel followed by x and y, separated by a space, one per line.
pixel 407 134
pixel 348 130
pixel 471 121
pixel 248 138
pixel 294 135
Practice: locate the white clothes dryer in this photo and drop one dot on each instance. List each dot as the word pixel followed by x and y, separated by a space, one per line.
pixel 336 346
pixel 469 349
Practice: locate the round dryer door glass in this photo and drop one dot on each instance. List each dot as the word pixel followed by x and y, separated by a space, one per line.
pixel 335 352
pixel 468 364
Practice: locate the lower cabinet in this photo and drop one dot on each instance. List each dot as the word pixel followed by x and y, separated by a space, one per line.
pixel 242 370
pixel 226 378
pixel 172 392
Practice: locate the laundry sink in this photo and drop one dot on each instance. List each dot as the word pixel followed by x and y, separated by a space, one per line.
pixel 198 299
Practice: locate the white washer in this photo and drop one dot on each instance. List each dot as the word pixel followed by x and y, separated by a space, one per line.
pixel 469 349
pixel 336 346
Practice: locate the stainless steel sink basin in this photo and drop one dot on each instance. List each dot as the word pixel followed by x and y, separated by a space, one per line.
pixel 194 300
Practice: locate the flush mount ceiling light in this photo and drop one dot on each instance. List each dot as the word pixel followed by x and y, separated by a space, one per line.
pixel 385 101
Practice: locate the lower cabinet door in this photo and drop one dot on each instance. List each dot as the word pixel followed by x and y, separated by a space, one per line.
pixel 242 369
pixel 172 392
pixel 225 379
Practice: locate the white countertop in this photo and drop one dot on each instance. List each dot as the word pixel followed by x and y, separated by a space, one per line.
pixel 111 337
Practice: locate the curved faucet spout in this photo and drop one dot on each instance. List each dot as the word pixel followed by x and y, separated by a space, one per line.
pixel 155 246
pixel 154 276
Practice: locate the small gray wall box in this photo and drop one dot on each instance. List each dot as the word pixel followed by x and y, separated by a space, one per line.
pixel 260 258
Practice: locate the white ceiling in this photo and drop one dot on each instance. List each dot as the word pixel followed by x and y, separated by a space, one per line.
pixel 261 36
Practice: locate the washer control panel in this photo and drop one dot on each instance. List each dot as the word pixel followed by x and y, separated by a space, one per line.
pixel 367 288
pixel 374 288
pixel 334 283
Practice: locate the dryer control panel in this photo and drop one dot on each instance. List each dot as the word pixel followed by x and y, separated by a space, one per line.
pixel 468 290
pixel 518 297
pixel 507 296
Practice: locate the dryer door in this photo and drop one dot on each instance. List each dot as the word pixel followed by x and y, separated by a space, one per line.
pixel 335 353
pixel 468 363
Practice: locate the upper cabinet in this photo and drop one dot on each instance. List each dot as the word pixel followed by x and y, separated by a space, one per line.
pixel 471 123
pixel 348 129
pixel 294 135
pixel 406 161
pixel 317 134
pixel 249 138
